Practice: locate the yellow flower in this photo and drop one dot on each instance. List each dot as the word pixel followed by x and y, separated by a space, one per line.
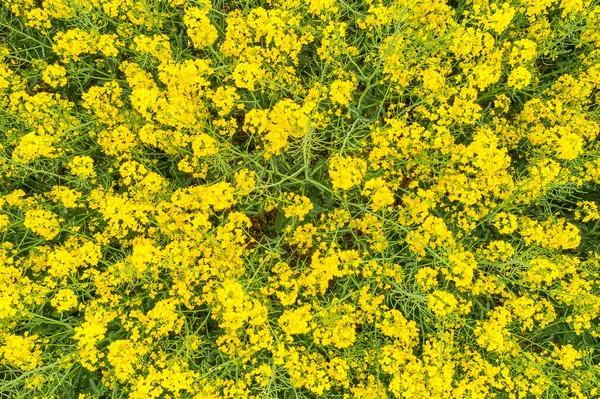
pixel 395 325
pixel 82 166
pixel 42 222
pixel 199 27
pixel 156 45
pixel 341 92
pixel 89 333
pixel 567 356
pixel 524 50
pixel 506 223
pixel 519 78
pixel 224 99
pixel 246 74
pixel 346 172
pixel 317 7
pixel 70 45
pixel 204 145
pixel 38 18
pixel 426 277
pixel 123 355
pixel 380 193
pixel 55 75
pixel 65 195
pixel 442 303
pixel 104 101
pixel 296 321
pixel 300 206
pixel 569 146
pixel 21 351
pixel 64 300
pixel 500 19
pixel 551 234
pixel 33 146
pixel 245 181
pixel 118 141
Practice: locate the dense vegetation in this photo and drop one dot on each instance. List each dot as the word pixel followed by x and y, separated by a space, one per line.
pixel 299 199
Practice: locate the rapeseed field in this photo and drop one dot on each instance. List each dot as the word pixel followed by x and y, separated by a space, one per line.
pixel 353 199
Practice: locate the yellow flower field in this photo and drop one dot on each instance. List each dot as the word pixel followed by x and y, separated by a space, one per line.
pixel 353 199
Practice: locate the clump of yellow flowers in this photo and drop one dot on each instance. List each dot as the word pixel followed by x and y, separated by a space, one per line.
pixel 354 199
